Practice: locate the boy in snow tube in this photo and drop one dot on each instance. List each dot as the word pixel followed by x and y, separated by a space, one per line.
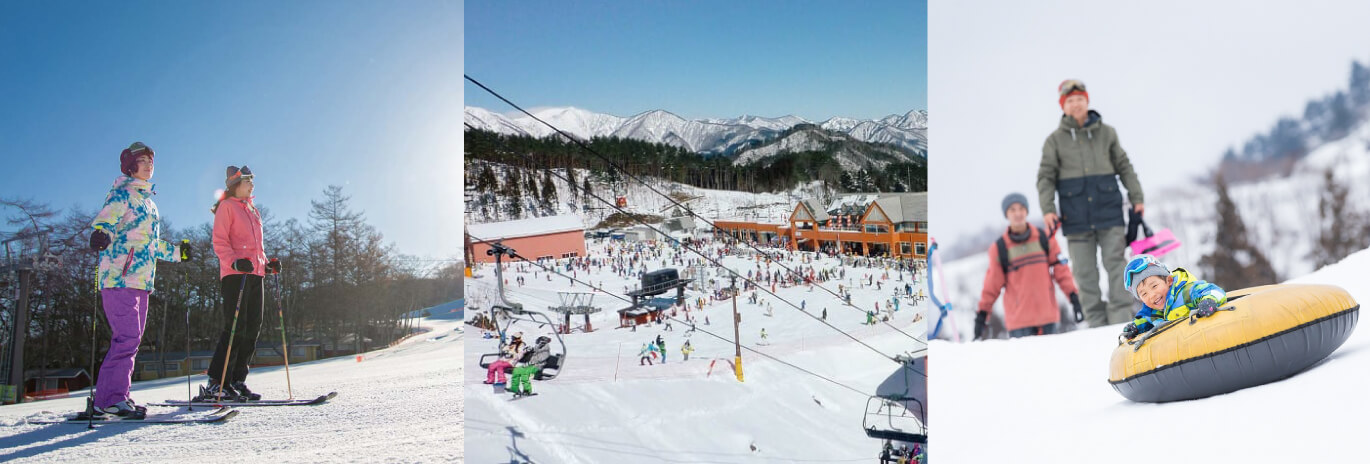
pixel 1166 295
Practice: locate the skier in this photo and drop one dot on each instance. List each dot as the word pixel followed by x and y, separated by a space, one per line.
pixel 763 336
pixel 686 349
pixel 127 236
pixel 646 355
pixel 1167 295
pixel 661 346
pixel 825 314
pixel 529 363
pixel 238 243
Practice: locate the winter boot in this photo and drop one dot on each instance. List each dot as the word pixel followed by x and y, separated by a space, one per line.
pixel 126 409
pixel 210 393
pixel 245 393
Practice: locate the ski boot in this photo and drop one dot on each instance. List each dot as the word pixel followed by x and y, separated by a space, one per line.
pixel 211 393
pixel 125 409
pixel 244 393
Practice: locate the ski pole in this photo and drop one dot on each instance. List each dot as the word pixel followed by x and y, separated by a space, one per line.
pixel 232 330
pixel 190 397
pixel 280 311
pixel 94 315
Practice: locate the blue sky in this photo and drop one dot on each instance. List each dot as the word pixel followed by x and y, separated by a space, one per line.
pixel 701 58
pixel 307 93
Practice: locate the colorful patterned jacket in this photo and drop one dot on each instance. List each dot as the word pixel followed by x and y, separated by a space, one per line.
pixel 1184 296
pixel 131 219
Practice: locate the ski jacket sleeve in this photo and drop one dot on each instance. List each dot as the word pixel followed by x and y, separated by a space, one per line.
pixel 994 281
pixel 1123 166
pixel 1048 171
pixel 166 251
pixel 223 223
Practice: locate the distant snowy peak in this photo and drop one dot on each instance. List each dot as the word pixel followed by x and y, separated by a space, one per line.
pixel 850 152
pixel 707 136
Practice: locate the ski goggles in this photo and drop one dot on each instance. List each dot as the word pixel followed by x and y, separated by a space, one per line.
pixel 1139 264
pixel 1071 85
pixel 243 173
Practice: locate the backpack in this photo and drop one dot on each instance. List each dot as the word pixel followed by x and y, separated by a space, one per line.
pixel 1042 237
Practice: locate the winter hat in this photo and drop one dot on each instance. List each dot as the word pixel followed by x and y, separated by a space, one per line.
pixel 128 159
pixel 1141 267
pixel 1070 87
pixel 1012 198
pixel 235 175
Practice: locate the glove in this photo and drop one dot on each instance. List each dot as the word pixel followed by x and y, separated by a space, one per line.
pixel 1206 308
pixel 243 265
pixel 1079 309
pixel 273 266
pixel 1137 327
pixel 99 240
pixel 187 251
pixel 1130 331
pixel 981 325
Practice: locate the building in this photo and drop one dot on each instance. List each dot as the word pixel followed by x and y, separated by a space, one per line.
pixel 544 237
pixel 868 224
pixel 146 364
pixel 55 382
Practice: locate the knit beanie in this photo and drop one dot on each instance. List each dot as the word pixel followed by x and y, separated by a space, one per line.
pixel 1154 268
pixel 1012 198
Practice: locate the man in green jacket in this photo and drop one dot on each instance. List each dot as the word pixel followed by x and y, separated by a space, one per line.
pixel 1082 163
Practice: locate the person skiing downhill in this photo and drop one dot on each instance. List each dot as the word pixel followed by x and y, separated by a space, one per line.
pixel 529 364
pixel 686 349
pixel 646 355
pixel 238 242
pixel 127 237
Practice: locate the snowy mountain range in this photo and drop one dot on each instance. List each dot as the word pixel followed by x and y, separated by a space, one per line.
pixel 706 136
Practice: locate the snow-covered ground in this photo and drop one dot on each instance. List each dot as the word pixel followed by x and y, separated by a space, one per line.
pixel 1047 399
pixel 606 407
pixel 399 404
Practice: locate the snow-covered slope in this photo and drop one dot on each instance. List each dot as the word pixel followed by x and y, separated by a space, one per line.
pixel 1048 398
pixel 709 136
pixel 851 155
pixel 400 404
pixel 605 407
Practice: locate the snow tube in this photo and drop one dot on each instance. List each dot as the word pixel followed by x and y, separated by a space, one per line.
pixel 1270 333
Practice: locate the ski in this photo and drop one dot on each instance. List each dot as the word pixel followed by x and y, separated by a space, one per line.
pixel 519 396
pixel 299 402
pixel 218 415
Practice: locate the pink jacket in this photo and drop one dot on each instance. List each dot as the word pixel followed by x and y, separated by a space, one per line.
pixel 238 235
pixel 1029 299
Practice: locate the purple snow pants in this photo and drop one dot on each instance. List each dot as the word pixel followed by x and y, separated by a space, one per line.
pixel 126 310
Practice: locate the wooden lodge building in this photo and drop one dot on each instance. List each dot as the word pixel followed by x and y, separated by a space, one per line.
pixel 867 224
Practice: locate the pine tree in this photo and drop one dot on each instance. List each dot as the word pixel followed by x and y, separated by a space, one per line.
pixel 549 194
pixel 513 198
pixel 1234 262
pixel 1343 231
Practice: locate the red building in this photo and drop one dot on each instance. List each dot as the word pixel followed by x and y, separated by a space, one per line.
pixel 544 237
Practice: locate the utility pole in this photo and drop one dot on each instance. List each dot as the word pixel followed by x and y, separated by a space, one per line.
pixel 737 337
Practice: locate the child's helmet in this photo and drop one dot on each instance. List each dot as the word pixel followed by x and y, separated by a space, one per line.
pixel 1141 267
pixel 543 340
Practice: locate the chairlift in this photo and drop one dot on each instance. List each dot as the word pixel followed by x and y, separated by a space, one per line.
pixel 514 313
pixel 889 418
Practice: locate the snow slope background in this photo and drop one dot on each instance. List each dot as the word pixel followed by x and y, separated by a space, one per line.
pixel 1048 399
pixel 605 407
pixel 399 404
pixel 1280 214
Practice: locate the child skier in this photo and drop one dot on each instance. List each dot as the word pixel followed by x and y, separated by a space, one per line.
pixel 646 355
pixel 686 349
pixel 128 238
pixel 1167 295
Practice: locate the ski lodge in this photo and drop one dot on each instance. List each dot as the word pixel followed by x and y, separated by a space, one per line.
pixel 868 224
pixel 536 238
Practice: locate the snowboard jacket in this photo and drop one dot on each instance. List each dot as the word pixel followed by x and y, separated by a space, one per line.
pixel 1082 164
pixel 238 235
pixel 1184 295
pixel 1029 295
pixel 535 356
pixel 131 219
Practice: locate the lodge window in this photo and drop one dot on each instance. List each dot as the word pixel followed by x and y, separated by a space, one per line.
pixel 570 255
pixel 922 248
pixel 876 229
pixel 904 248
pixel 150 367
pixel 172 366
pixel 200 364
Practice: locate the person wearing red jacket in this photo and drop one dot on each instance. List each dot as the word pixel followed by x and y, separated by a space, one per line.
pixel 1024 275
pixel 238 243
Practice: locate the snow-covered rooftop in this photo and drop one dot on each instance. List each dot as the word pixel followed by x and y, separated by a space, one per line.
pixel 526 227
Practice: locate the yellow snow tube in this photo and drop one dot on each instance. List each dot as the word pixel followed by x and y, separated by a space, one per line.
pixel 1270 333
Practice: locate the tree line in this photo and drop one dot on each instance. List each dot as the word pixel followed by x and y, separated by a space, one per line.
pixel 341 285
